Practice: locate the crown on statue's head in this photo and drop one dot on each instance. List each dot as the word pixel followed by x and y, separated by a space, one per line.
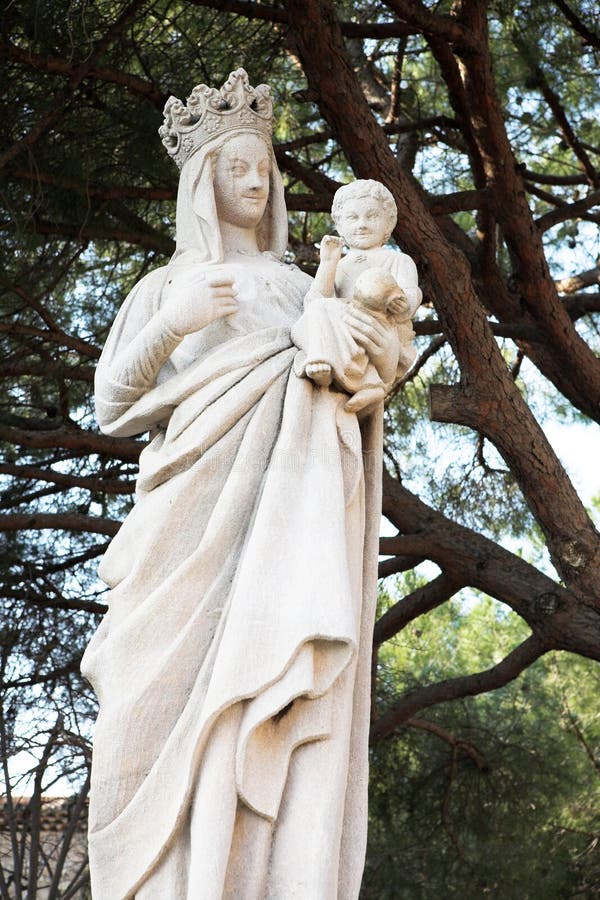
pixel 210 112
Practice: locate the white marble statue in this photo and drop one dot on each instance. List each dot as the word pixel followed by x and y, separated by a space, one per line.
pixel 233 665
pixel 373 278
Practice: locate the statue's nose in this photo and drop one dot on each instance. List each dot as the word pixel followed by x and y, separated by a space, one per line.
pixel 255 182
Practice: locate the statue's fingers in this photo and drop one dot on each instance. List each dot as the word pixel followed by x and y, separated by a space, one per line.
pixel 224 291
pixel 220 281
pixel 366 328
pixel 356 316
pixel 364 340
pixel 228 300
pixel 358 327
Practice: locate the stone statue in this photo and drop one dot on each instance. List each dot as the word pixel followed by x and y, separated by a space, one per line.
pixel 367 277
pixel 233 665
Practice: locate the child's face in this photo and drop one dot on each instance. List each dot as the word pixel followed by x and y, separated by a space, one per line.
pixel 363 223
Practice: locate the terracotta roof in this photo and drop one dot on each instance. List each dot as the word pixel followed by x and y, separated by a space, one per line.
pixel 55 813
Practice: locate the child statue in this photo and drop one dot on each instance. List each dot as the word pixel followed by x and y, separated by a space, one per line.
pixel 370 282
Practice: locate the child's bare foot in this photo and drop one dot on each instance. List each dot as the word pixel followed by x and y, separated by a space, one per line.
pixel 320 373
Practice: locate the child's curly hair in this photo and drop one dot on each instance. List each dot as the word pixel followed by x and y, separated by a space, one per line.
pixel 365 188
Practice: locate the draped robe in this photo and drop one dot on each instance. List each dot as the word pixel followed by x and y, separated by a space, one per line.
pixel 233 665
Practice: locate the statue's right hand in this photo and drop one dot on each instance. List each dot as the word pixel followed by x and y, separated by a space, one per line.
pixel 193 300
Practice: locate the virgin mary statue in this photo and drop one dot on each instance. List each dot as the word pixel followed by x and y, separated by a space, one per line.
pixel 232 668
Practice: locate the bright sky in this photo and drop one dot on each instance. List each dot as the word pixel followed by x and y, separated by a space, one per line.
pixel 578 448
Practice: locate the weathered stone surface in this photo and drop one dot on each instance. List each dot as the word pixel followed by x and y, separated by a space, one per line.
pixel 230 753
pixel 364 342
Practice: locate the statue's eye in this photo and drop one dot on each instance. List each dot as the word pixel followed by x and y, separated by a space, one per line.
pixel 239 169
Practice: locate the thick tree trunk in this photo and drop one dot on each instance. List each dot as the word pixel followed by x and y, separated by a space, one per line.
pixel 487 398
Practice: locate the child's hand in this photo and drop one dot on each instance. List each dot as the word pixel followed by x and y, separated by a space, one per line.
pixel 378 341
pixel 398 306
pixel 331 248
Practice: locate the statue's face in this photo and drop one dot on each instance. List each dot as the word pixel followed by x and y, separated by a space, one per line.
pixel 363 223
pixel 242 180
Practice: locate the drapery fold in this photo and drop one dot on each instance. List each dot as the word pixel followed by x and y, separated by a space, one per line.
pixel 250 592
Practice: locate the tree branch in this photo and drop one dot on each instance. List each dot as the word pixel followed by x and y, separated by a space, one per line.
pixel 515 330
pixel 464 686
pixel 311 177
pixel 61 98
pixel 579 305
pixel 415 13
pixel 556 615
pixel 47 369
pixel 45 568
pixel 496 401
pixel 565 211
pixel 444 735
pixel 398 564
pixel 556 180
pixel 427 354
pixel 70 604
pixel 40 677
pixel 149 240
pixel 100 192
pixel 57 337
pixel 81 441
pixel 313 202
pixel 277 15
pixel 573 283
pixel 558 111
pixel 132 83
pixel 62 521
pixel 589 37
pixel 95 484
pixel 451 203
pixel 421 601
pixel 564 357
pixel 391 128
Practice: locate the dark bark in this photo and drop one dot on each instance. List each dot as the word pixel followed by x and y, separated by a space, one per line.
pixel 64 97
pixel 487 398
pixel 560 618
pixel 566 360
pixel 83 442
pixel 414 605
pixel 58 521
pixel 463 686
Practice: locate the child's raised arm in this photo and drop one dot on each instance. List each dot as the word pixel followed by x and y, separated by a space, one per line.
pixel 330 255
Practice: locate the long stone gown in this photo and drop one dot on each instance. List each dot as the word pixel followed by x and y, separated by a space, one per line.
pixel 232 669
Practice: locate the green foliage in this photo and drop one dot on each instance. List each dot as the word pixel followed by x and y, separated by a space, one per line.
pixel 510 808
pixel 455 469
